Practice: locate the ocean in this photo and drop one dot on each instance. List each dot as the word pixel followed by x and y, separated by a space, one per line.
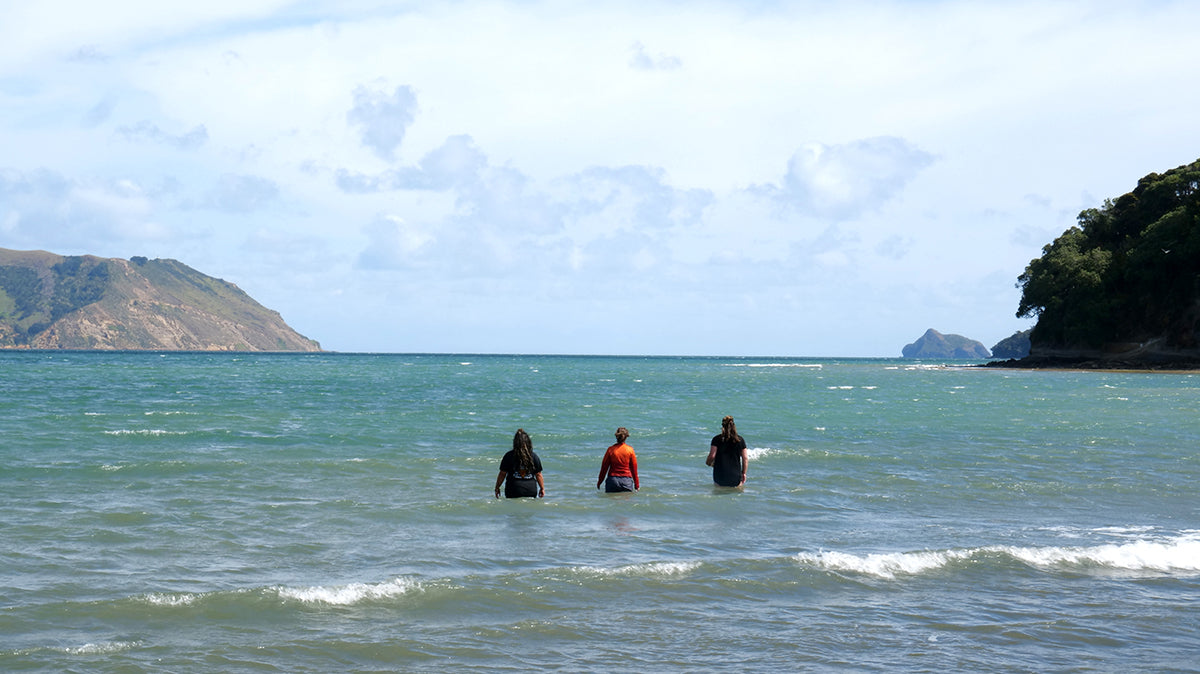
pixel 196 512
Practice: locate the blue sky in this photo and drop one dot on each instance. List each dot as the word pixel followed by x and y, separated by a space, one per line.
pixel 714 178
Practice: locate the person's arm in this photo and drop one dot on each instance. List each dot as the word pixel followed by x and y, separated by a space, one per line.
pixel 633 467
pixel 500 481
pixel 745 465
pixel 604 466
pixel 541 485
pixel 712 456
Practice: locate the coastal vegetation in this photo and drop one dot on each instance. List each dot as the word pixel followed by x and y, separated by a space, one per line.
pixel 1125 278
pixel 1015 345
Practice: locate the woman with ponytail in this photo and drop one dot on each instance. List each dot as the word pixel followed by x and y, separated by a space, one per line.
pixel 728 456
pixel 521 470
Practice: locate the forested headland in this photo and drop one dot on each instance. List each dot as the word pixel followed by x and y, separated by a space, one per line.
pixel 1122 286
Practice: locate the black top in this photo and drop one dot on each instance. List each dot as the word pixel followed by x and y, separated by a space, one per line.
pixel 727 466
pixel 519 482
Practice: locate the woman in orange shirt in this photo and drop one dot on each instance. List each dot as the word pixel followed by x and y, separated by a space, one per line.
pixel 620 465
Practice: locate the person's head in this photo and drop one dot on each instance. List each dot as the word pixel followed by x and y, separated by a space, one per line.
pixel 728 429
pixel 521 440
pixel 523 446
pixel 622 434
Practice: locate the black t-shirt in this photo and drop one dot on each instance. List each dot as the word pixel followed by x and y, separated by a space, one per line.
pixel 727 466
pixel 518 482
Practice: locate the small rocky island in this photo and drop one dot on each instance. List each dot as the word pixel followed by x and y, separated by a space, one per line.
pixel 934 344
pixel 50 301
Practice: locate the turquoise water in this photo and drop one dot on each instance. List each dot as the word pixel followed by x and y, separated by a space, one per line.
pixel 333 512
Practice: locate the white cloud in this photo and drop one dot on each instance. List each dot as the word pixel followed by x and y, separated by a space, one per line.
pixel 817 170
pixel 636 197
pixel 393 244
pixel 642 60
pixel 383 118
pixel 841 182
pixel 457 163
pixel 44 209
pixel 241 193
pixel 148 131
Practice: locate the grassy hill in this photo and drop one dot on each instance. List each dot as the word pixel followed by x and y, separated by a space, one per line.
pixel 50 301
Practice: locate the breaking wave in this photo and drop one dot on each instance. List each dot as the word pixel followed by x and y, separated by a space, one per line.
pixel 1179 555
pixel 353 593
pixel 647 569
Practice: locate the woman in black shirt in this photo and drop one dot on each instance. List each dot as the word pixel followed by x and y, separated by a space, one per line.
pixel 728 456
pixel 521 470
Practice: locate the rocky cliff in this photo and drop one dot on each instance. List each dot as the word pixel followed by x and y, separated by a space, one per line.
pixel 50 301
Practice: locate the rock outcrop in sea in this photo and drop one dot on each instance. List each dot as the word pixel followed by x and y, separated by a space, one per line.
pixel 934 344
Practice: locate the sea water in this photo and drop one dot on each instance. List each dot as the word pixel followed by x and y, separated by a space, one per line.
pixel 334 513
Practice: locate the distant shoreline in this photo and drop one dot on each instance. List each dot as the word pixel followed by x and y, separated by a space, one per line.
pixel 1164 364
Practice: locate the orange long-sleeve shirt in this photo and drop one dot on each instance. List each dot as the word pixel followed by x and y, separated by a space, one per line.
pixel 620 461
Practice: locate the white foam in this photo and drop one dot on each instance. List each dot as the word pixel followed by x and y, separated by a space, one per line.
pixel 145 431
pixel 646 569
pixel 101 648
pixel 1125 531
pixel 342 595
pixel 756 453
pixel 882 565
pixel 1181 554
pixel 171 599
pixel 1175 555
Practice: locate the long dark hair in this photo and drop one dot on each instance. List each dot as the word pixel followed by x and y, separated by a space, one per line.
pixel 728 429
pixel 523 445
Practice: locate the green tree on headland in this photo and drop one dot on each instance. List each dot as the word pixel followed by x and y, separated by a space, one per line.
pixel 1127 272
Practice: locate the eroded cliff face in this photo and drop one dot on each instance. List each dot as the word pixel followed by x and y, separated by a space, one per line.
pixel 153 305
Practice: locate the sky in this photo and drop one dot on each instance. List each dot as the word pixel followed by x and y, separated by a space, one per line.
pixel 644 177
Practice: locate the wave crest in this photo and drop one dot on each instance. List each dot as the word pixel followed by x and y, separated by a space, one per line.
pixel 343 595
pixel 153 432
pixel 882 565
pixel 646 569
pixel 1178 555
pixel 755 453
pixel 103 648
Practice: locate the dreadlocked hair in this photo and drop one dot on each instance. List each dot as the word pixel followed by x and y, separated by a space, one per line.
pixel 524 448
pixel 728 429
